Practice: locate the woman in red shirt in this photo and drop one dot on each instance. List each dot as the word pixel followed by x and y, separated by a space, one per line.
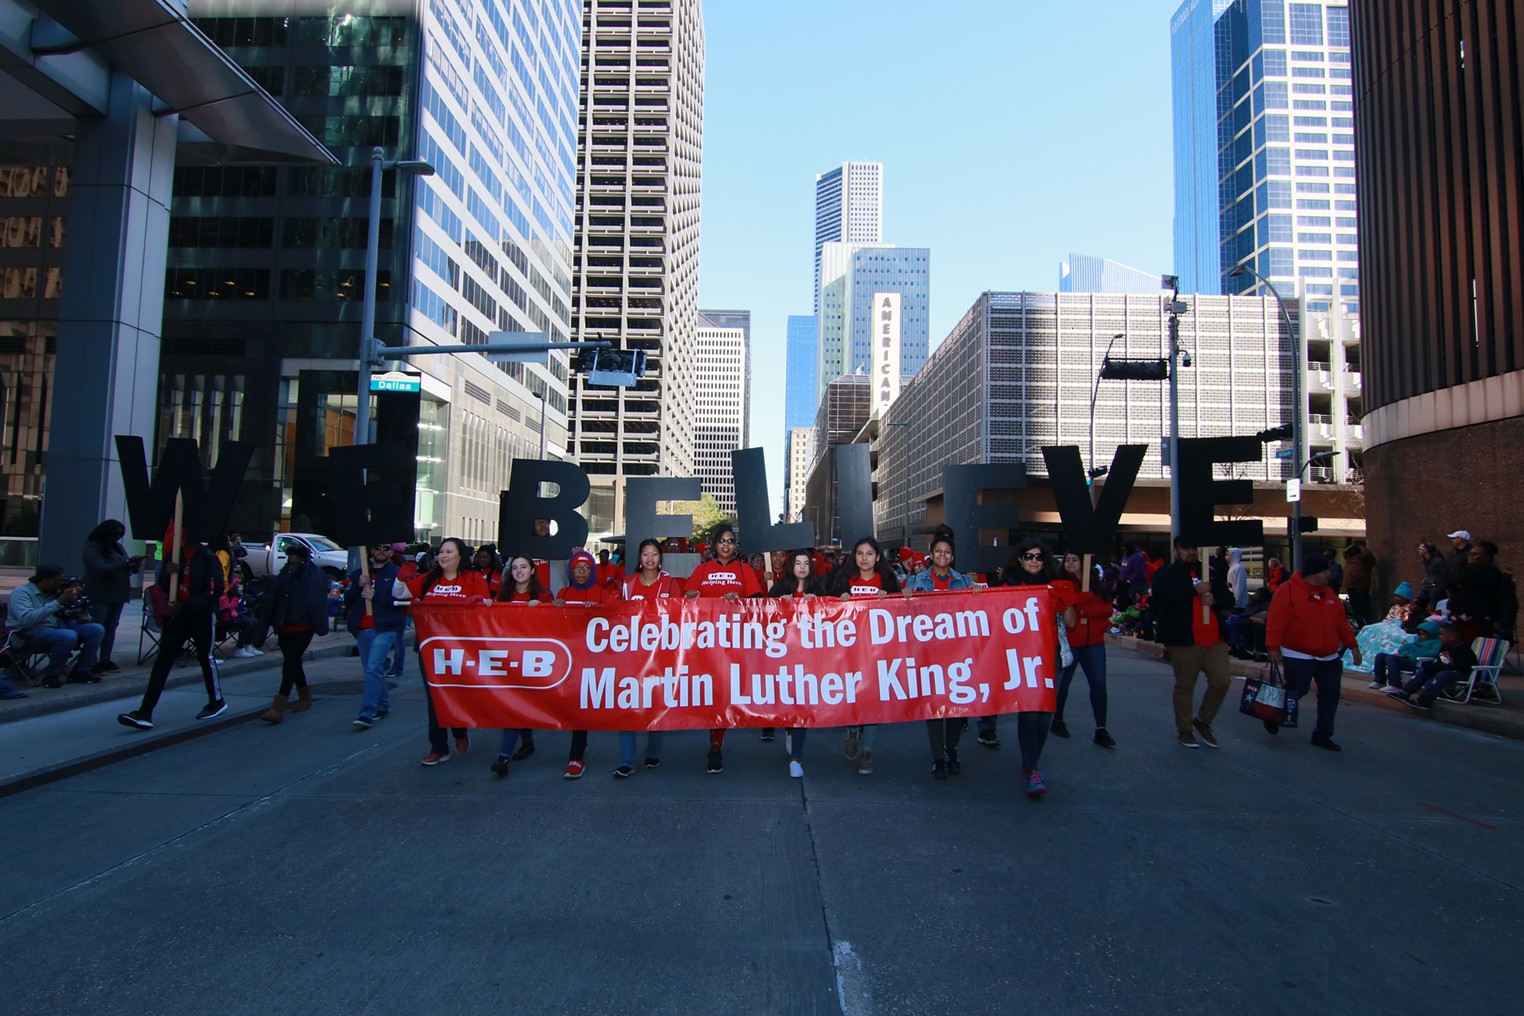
pixel 451 580
pixel 798 581
pixel 868 577
pixel 1087 641
pixel 649 583
pixel 729 578
pixel 522 588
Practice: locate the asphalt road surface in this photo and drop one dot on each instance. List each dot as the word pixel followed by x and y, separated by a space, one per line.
pixel 309 868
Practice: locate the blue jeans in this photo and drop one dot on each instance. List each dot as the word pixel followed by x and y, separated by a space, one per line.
pixel 1031 735
pixel 375 646
pixel 627 739
pixel 58 643
pixel 1429 682
pixel 1093 659
pixel 1329 674
pixel 108 616
pixel 399 654
pixel 1389 668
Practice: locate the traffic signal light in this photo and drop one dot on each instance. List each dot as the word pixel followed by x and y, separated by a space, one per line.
pixel 1281 433
pixel 1134 370
pixel 1309 524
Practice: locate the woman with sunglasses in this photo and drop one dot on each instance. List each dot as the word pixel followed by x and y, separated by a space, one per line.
pixel 798 581
pixel 649 583
pixel 1087 641
pixel 867 576
pixel 727 577
pixel 1032 565
pixel 941 577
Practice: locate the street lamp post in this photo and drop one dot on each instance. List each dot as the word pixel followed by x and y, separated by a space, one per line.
pixel 1095 391
pixel 1299 365
pixel 368 358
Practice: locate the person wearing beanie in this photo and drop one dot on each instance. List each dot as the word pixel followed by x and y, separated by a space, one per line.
pixel 1306 633
pixel 584 590
pixel 1388 668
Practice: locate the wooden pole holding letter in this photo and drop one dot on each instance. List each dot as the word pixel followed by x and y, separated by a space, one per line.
pixel 174 553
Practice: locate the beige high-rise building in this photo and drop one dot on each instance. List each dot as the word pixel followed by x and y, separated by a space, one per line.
pixel 635 266
pixel 721 414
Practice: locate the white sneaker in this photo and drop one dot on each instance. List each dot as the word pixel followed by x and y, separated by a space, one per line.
pixel 255 651
pixel 1376 684
pixel 245 652
pixel 795 769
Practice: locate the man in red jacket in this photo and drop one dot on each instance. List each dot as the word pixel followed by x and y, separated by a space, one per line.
pixel 1306 632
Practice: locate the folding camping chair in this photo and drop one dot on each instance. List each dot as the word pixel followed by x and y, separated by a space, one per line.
pixel 155 609
pixel 1483 679
pixel 19 661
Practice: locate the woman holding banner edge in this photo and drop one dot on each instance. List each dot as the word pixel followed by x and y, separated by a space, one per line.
pixel 1032 565
pixel 451 580
pixel 867 576
pixel 649 583
pixel 800 581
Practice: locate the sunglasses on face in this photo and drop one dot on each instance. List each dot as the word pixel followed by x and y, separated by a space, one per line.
pixel 727 540
pixel 1033 556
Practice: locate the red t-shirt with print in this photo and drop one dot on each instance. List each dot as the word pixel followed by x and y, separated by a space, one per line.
pixel 713 579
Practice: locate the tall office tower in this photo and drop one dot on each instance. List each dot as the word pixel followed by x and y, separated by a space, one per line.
pixel 721 411
pixel 1086 273
pixel 850 276
pixel 849 208
pixel 637 240
pixel 801 453
pixel 1440 99
pixel 799 396
pixel 1263 114
pixel 799 383
pixel 266 269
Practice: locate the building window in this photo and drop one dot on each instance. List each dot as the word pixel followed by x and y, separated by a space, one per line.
pixel 1306 24
pixel 217 284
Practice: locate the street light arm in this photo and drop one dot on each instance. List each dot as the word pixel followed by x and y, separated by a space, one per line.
pixel 1095 391
pixel 1298 365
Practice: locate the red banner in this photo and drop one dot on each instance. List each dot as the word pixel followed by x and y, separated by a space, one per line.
pixel 682 664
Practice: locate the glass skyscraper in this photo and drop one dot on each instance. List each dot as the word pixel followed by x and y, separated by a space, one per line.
pixel 800 395
pixel 850 275
pixel 266 265
pixel 1264 149
pixel 1086 273
pixel 849 208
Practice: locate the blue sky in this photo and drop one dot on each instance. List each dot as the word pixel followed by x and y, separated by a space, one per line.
pixel 1011 132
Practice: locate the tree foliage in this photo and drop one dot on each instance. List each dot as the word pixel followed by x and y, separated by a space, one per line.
pixel 707 517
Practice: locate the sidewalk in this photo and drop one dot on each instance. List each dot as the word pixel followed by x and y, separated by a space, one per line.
pixel 1506 720
pixel 55 733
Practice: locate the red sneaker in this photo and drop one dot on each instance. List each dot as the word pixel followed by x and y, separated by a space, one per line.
pixel 435 759
pixel 573 770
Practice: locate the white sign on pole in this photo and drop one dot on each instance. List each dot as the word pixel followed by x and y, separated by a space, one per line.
pixel 1293 490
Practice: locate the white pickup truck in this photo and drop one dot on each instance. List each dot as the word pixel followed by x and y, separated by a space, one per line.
pixel 268 559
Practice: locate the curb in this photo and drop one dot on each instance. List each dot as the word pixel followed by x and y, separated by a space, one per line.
pixel 87 695
pixel 1485 718
pixel 63 770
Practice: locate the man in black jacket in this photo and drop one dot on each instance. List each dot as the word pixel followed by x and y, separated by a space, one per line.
pixel 1195 639
pixel 1478 592
pixel 190 616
